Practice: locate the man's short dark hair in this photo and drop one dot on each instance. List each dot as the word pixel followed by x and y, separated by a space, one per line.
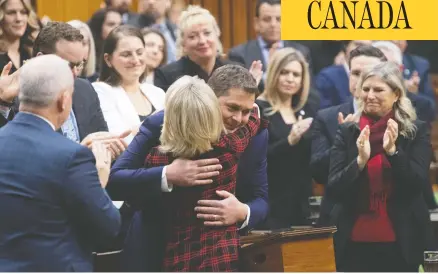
pixel 269 2
pixel 52 33
pixel 232 76
pixel 368 51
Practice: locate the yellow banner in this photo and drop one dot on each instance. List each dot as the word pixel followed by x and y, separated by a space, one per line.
pixel 359 20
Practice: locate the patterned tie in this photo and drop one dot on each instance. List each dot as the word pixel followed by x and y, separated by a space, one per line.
pixel 69 129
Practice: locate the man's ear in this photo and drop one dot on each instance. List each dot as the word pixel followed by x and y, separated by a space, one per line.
pixel 63 100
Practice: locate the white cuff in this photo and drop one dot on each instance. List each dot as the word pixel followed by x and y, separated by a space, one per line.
pixel 245 224
pixel 165 187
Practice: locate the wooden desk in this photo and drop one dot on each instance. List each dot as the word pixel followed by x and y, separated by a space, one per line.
pixel 295 250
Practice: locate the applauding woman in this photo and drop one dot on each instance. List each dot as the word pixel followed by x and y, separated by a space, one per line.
pixel 377 169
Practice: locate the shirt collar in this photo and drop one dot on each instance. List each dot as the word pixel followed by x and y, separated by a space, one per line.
pixel 355 105
pixel 42 118
pixel 263 43
pixel 347 68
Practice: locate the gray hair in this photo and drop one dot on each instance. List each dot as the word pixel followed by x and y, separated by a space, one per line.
pixel 391 48
pixel 42 79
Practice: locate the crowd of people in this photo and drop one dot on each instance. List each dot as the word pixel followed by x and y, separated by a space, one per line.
pixel 203 145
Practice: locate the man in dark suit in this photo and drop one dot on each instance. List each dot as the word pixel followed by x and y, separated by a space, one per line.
pixel 55 210
pixel 267 23
pixel 130 181
pixel 416 71
pixel 332 81
pixel 86 118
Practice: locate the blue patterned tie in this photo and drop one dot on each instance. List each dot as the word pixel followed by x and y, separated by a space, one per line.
pixel 69 128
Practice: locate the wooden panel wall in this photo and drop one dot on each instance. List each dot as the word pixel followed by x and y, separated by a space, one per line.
pixel 65 10
pixel 235 17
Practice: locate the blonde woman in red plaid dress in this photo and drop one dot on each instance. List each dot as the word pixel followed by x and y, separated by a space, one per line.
pixel 193 129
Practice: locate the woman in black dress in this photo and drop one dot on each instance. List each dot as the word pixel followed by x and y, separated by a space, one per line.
pixel 289 105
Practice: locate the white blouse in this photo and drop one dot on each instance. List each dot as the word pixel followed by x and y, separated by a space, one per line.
pixel 119 112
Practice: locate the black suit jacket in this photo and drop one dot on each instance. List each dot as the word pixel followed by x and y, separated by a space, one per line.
pixel 324 128
pixel 406 208
pixel 250 51
pixel 168 74
pixel 86 107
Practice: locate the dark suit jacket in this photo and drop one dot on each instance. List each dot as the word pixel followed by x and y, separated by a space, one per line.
pixel 406 209
pixel 250 51
pixel 131 182
pixel 86 107
pixel 55 207
pixel 166 75
pixel 333 86
pixel 324 128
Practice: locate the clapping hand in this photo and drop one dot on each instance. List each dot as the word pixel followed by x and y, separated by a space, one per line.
pixel 256 70
pixel 413 83
pixel 298 130
pixel 9 85
pixel 341 119
pixel 390 136
pixel 363 147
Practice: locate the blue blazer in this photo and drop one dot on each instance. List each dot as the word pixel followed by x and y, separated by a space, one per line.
pixel 130 182
pixel 53 208
pixel 333 86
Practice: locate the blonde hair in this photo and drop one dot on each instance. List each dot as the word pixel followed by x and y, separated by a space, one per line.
pixel 191 16
pixel 90 68
pixel 192 120
pixel 32 27
pixel 280 59
pixel 405 115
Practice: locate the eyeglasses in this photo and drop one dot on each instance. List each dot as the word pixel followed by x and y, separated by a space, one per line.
pixel 78 65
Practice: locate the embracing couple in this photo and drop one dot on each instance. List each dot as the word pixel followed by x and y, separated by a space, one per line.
pixel 144 178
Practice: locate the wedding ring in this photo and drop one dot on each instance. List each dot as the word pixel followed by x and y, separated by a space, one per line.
pixel 361 144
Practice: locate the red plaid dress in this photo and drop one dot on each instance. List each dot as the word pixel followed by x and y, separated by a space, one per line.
pixel 190 245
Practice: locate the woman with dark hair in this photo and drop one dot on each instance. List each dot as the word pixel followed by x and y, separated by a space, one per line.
pixel 125 100
pixel 156 53
pixel 18 30
pixel 101 24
